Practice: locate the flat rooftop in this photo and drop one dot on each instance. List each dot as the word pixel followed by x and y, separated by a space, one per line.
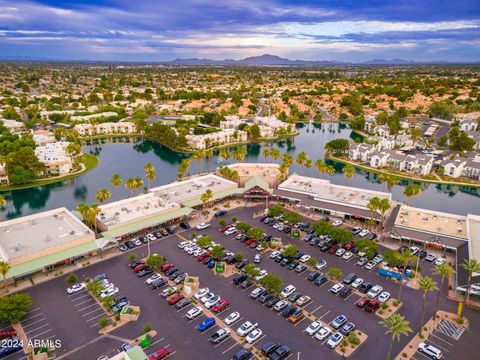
pixel 132 209
pixel 30 234
pixel 473 231
pixel 322 189
pixel 433 222
pixel 194 187
pixel 256 169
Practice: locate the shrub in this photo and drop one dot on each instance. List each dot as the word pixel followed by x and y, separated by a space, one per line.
pixel 460 320
pixel 147 328
pixel 102 322
pixel 234 219
pixel 384 306
pixel 353 338
pixel 222 222
pixel 114 323
pixel 396 303
pixel 404 354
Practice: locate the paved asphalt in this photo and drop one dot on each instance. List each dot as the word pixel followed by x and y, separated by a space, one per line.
pixel 73 319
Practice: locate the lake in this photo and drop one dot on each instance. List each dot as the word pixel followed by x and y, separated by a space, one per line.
pixel 128 156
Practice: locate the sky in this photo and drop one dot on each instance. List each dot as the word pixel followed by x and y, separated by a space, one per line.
pixel 162 30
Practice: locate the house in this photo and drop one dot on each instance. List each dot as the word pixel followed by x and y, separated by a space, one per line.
pixel 370 123
pixel 472 169
pixel 55 157
pixel 382 130
pixel 379 159
pixel 453 168
pixel 475 135
pixel 398 161
pixel 361 152
pixel 15 127
pixel 125 127
pixel 468 125
pixel 4 180
pixel 404 140
pixel 424 165
pixel 386 143
pixel 224 137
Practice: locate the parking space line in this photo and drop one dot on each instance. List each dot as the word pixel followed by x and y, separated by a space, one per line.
pixel 213 327
pixel 185 308
pixel 223 341
pixel 441 347
pixel 442 339
pixel 231 347
pixel 300 321
pixel 82 295
pixel 264 335
pixel 33 330
pixel 83 302
pixel 319 307
pixel 156 342
pixel 321 317
pixel 423 355
pixel 31 317
pixel 36 336
pixel 325 283
pixel 25 326
pixel 90 312
pixel 95 317
pixel 89 306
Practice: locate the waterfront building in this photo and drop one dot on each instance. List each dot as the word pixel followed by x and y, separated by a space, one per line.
pixel 107 128
pixel 15 127
pixel 55 157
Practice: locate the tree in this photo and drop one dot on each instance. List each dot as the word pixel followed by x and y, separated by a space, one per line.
pixel 130 184
pixel 96 287
pixel 412 190
pixel 358 123
pixel 224 154
pixel 348 171
pixel 335 273
pixel 406 257
pixel 14 307
pixel 243 227
pixel 238 256
pixel 392 257
pixel 198 157
pixel 254 132
pixel 337 146
pixel 116 181
pixel 368 246
pixel 132 257
pixel 71 279
pixel 217 251
pixel 397 326
pixel 92 214
pixel 150 172
pixel 426 284
pixel 272 283
pixel 312 262
pixel 442 110
pixel 103 195
pixel 182 169
pixel 290 251
pixel 471 266
pixel 292 217
pixel 240 153
pixel 222 222
pixel 103 322
pixel 276 210
pixel 373 205
pixel 138 183
pixel 4 269
pixel 206 197
pixel 301 159
pixel 204 241
pixel 444 271
pixel 384 205
pixel 155 261
pixel 251 270
pixel 256 233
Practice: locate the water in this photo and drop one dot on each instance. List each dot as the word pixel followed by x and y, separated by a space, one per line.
pixel 128 160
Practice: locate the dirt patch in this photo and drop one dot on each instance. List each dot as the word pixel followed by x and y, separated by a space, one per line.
pixel 349 348
pixel 392 309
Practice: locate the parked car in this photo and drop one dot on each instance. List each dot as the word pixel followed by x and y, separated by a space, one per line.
pixel 302 300
pixel 287 291
pixel 363 233
pixel 347 328
pixel 230 319
pixel 159 354
pixel 350 278
pixel 202 226
pixel 175 299
pixel 334 340
pixel 337 223
pixel 320 280
pixel 362 261
pixel 246 328
pixel 321 264
pixel 272 301
pixel 255 293
pixel 365 287
pixel 76 288
pixel 7 333
pixel 243 354
pixel 221 305
pixel 269 347
pixel 254 335
pixel 220 213
pixel 430 350
pixel 440 261
pixel 280 353
pixel 313 328
pixel 182 303
pixel 206 324
pixel 289 310
pixel 323 333
pixel 374 291
pixel 193 313
pixel 338 322
pixel 220 335
pixel 370 265
pixel 340 252
pixel 372 305
pixel 383 297
pixel 335 289
pixel 345 292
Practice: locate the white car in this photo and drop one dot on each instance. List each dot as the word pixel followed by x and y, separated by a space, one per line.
pixel 337 223
pixel 207 297
pixel 137 242
pixel 440 261
pixel 261 275
pixel 199 252
pixel 340 252
pixel 384 296
pixel 230 319
pixel 305 258
pixel 430 257
pixel 321 264
pixel 378 258
pixel 109 292
pixel 259 248
pixel 280 305
pixel 348 255
pixel 230 231
pixel 245 328
pixel 289 290
pixel 336 288
pixel 76 288
pixel 254 335
pixel 193 313
pixel 313 328
pixel 364 233
pixel 201 293
pixel 370 265
pixel 374 291
pixel 323 333
pixel 430 350
pixel 212 301
pixel 183 244
pixel 334 340
pixel 202 226
pixel 415 250
pixel 356 284
pixel 274 254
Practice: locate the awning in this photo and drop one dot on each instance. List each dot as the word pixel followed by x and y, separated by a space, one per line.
pixel 216 196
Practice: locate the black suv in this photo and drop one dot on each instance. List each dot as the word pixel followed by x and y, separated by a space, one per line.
pixel 365 287
pixel 289 310
pixel 280 353
pixel 345 292
pixel 237 280
pixel 270 347
pixel 349 278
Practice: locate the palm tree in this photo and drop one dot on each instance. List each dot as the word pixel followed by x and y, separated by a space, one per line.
pixel 406 256
pixel 383 179
pixel 308 164
pixel 103 195
pixel 412 190
pixel 426 284
pixel 150 175
pixel 240 153
pixel 266 153
pixel 274 154
pixel 397 326
pixel 82 208
pixel 224 154
pixel 349 172
pixel 320 164
pixel 206 197
pixel 384 206
pixel 3 201
pixel 301 159
pixel 138 183
pixel 373 205
pixel 4 269
pixel 130 184
pixel 391 182
pixel 198 157
pixel 149 167
pixel 471 266
pixel 182 169
pixel 116 181
pixel 92 214
pixel 329 170
pixel 208 155
pixel 444 271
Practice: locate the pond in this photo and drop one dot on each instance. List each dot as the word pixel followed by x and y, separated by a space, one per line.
pixel 127 157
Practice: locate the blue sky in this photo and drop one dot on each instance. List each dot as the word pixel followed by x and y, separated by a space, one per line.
pixel 158 30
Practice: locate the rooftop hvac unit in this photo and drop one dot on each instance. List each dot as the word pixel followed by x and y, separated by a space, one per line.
pixel 72 232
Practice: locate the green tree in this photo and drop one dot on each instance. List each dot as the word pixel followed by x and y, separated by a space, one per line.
pixel 471 266
pixel 254 132
pixel 290 251
pixel 130 184
pixel 397 326
pixel 116 181
pixel 204 241
pixel 445 271
pixel 132 257
pixel 71 279
pixel 442 110
pixel 256 233
pixel 14 307
pixel 348 171
pixel 251 270
pixel 102 323
pixel 4 269
pixel 312 262
pixel 412 190
pixel 217 251
pixel 426 284
pixel 103 195
pixel 155 261
pixel 238 256
pixel 272 283
pixel 406 257
pixel 335 273
pixel 243 227
pixel 206 197
pixel 182 169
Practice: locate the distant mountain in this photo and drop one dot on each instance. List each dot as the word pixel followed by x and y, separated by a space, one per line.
pixel 389 62
pixel 23 58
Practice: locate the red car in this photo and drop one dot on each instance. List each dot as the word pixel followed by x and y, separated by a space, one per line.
pixel 373 305
pixel 140 267
pixel 175 298
pixel 349 246
pixel 225 228
pixel 203 257
pixel 221 305
pixel 362 302
pixel 333 250
pixel 159 354
pixel 249 242
pixel 6 333
pixel 165 267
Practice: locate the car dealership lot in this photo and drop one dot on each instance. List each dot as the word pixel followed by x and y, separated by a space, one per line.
pixel 77 315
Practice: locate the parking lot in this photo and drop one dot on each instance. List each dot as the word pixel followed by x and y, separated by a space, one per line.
pixel 74 318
